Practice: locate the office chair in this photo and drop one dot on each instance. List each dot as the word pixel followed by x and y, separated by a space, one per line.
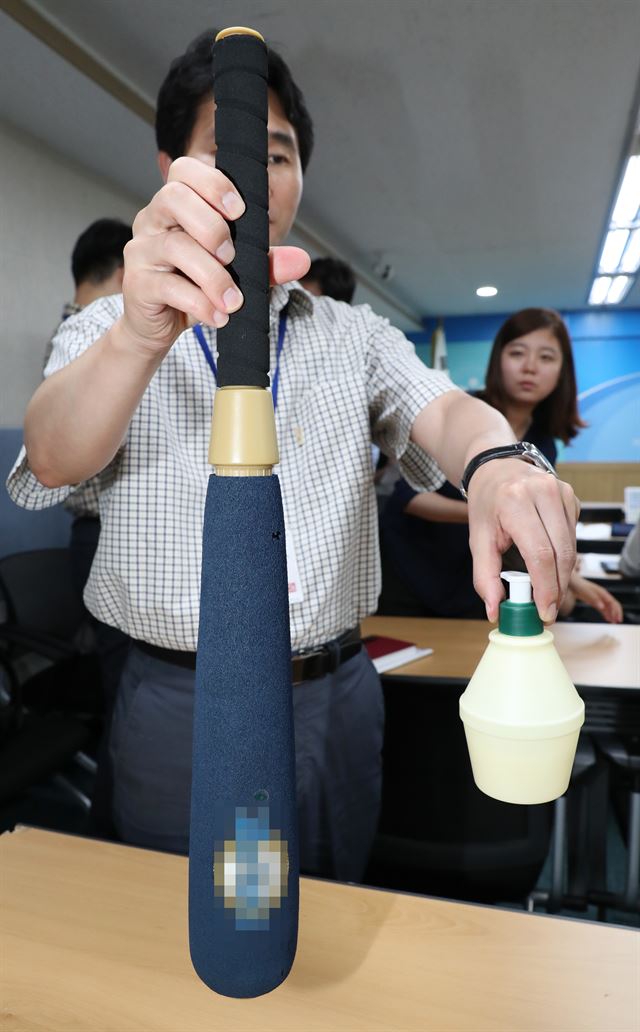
pixel 579 844
pixel 51 697
pixel 579 849
pixel 623 754
pixel 439 834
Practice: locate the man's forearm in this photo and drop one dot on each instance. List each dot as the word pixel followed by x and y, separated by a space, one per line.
pixel 510 502
pixel 79 416
pixel 455 427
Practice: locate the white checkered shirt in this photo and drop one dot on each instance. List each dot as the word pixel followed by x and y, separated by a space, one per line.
pixel 347 377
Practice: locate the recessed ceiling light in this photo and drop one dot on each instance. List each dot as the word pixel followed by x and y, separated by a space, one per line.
pixel 487 291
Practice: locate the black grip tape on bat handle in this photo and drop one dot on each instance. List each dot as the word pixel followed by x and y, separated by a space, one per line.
pixel 240 90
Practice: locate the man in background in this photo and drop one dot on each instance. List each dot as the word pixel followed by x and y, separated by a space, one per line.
pixel 97 266
pixel 330 277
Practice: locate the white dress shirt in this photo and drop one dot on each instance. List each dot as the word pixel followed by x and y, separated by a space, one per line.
pixel 347 378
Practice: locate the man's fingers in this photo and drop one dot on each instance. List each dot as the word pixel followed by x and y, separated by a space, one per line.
pixel 521 520
pixel 178 293
pixel 571 505
pixel 196 198
pixel 537 513
pixel 177 206
pixel 487 566
pixel 179 251
pixel 550 505
pixel 210 183
pixel 287 263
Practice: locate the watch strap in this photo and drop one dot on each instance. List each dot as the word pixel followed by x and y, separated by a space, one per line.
pixel 521 450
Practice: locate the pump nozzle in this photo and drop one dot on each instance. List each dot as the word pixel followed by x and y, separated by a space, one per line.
pixel 519 586
pixel 518 615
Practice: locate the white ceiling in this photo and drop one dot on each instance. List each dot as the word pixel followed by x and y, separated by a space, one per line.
pixel 468 141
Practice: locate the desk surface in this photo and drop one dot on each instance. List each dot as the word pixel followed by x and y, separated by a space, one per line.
pixel 599 655
pixel 95 940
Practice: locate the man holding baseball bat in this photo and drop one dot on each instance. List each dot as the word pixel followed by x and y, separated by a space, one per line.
pixel 128 394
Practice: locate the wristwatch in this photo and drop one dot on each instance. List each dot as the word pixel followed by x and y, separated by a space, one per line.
pixel 521 450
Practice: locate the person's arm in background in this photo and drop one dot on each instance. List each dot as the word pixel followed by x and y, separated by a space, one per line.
pixel 510 501
pixel 429 505
pixel 583 590
pixel 595 594
pixel 174 269
pixel 630 557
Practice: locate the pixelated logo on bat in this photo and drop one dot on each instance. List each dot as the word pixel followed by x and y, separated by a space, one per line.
pixel 250 869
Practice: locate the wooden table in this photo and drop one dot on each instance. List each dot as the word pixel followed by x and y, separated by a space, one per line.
pixel 596 655
pixel 95 940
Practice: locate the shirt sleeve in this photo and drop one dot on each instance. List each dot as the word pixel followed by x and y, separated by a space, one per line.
pixel 79 332
pixel 74 336
pixel 399 386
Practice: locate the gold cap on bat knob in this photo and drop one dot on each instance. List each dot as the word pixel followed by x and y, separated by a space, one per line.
pixel 238 30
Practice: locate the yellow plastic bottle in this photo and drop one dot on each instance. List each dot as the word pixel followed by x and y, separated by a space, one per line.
pixel 521 713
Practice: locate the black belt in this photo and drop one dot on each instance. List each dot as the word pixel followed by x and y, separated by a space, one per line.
pixel 305 666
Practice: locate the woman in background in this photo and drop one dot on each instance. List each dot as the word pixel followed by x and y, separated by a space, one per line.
pixel 426 559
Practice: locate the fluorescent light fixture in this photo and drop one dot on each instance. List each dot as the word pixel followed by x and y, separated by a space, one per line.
pixel 599 290
pixel 619 262
pixel 631 257
pixel 614 244
pixel 628 200
pixel 487 291
pixel 618 289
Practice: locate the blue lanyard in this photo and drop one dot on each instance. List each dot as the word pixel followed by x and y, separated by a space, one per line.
pixel 211 362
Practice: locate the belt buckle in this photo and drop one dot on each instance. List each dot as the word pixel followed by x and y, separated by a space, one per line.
pixel 332 650
pixel 302 657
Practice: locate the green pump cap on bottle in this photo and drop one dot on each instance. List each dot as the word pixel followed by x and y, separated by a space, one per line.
pixel 518 614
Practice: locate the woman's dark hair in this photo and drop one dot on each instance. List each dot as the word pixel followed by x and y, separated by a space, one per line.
pixel 557 414
pixel 189 83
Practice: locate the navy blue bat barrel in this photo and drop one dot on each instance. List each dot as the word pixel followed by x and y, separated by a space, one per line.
pixel 243 867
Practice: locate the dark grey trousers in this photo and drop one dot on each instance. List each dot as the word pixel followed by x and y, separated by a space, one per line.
pixel 339 723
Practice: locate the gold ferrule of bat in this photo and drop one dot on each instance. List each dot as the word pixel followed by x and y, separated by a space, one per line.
pixel 243 439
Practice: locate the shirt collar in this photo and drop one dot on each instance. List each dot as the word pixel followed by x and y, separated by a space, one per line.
pixel 70 308
pixel 300 302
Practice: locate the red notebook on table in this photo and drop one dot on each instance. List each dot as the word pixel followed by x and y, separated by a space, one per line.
pixel 389 653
